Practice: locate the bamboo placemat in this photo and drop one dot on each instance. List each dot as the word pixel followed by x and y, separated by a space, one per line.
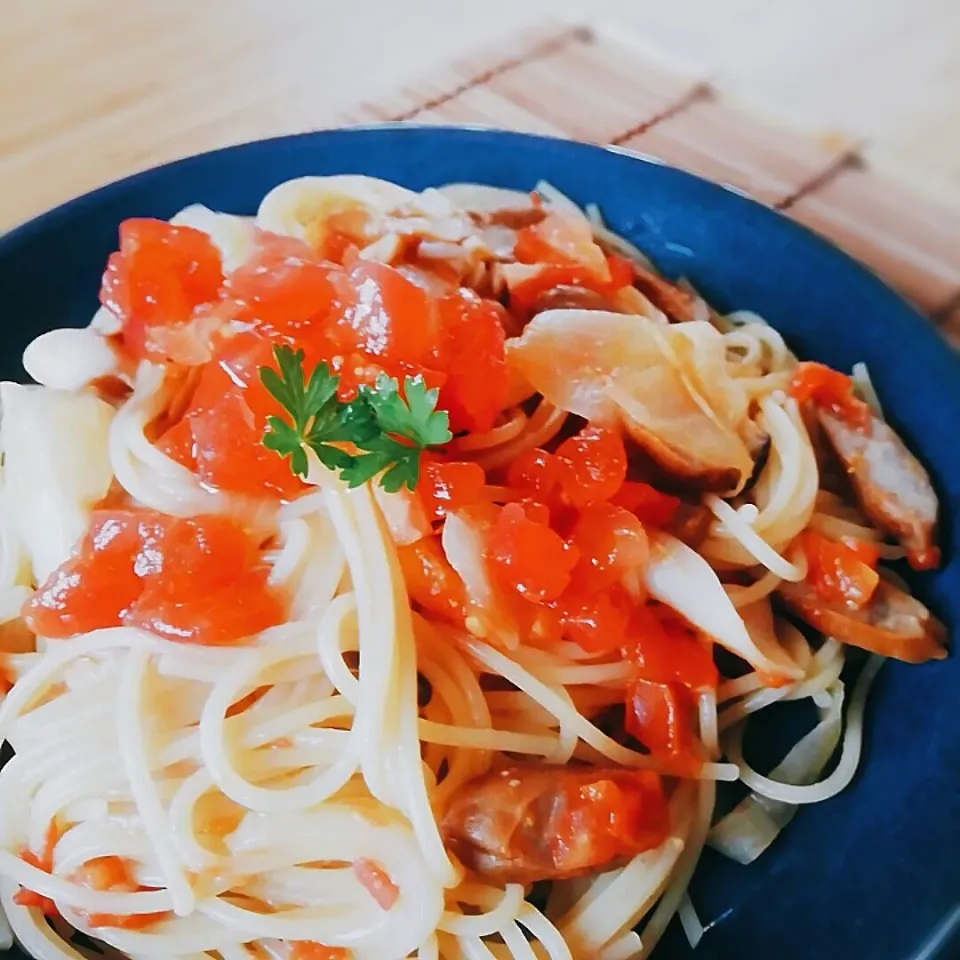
pixel 586 84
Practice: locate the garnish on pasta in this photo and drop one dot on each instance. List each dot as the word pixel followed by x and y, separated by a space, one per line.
pixel 388 431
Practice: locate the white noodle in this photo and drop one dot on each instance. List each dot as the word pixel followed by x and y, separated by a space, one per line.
pixel 692 926
pixel 740 528
pixel 252 791
pixel 849 755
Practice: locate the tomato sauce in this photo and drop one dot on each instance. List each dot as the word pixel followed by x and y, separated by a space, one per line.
pixel 192 580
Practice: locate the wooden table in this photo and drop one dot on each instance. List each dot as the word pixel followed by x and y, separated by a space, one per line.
pixel 91 90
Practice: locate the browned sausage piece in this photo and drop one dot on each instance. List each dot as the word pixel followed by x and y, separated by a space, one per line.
pixel 678 304
pixel 893 488
pixel 516 218
pixel 691 524
pixel 568 297
pixel 893 623
pixel 523 824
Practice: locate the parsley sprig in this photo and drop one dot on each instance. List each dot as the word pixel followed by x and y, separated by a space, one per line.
pixel 388 430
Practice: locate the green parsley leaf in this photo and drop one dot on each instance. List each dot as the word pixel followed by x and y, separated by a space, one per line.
pixel 389 431
pixel 413 416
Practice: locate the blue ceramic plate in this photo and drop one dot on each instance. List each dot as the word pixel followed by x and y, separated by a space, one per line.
pixel 873 873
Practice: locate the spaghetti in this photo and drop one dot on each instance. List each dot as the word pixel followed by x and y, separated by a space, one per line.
pixel 263 712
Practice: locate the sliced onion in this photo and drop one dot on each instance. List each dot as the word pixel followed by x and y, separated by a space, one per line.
pixel 70 358
pixel 463 538
pixel 404 514
pixel 679 577
pixel 749 829
pixel 56 467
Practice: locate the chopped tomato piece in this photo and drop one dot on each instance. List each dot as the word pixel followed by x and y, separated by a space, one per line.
pixel 666 650
pixel 539 512
pixel 344 233
pixel 98 586
pixel 570 257
pixel 204 552
pixel 672 665
pixel 593 465
pixel 541 625
pixel 838 572
pixel 29 898
pixel 562 239
pixel 596 622
pixel 622 272
pixel 449 485
pixel 284 285
pixel 819 384
pixel 385 316
pixel 376 882
pixel 611 542
pixel 647 504
pixel 431 582
pixel 475 359
pixel 160 274
pixel 528 556
pixel 311 950
pixel 535 473
pixel 114 873
pixel 866 552
pixel 226 422
pixel 661 716
pixel 222 615
pixel 524 296
pixel 103 873
pixel 42 861
pixel 177 443
pixel 194 580
pixel 213 589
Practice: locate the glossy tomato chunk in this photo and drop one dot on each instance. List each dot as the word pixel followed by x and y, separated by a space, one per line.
pixel 430 580
pixel 98 586
pixel 157 278
pixel 666 650
pixel 647 504
pixel 114 874
pixel 385 316
pixel 195 580
pixel 284 286
pixel 830 389
pixel 661 716
pixel 593 465
pixel 528 556
pixel 535 473
pixel 312 950
pixel 225 611
pixel 221 435
pixel 840 572
pixel 376 882
pixel 611 543
pixel 596 622
pixel 474 358
pixel 449 485
pixel 562 239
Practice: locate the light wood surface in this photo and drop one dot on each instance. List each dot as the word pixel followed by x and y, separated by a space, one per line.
pixel 91 90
